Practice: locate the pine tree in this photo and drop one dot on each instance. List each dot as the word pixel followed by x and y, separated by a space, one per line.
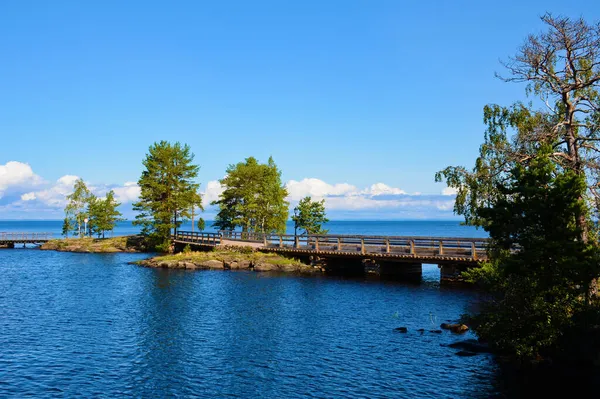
pixel 309 216
pixel 103 214
pixel 536 290
pixel 168 192
pixel 66 227
pixel 253 198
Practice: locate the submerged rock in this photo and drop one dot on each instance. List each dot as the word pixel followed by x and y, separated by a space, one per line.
pixel 401 329
pixel 435 331
pixel 455 328
pixel 471 345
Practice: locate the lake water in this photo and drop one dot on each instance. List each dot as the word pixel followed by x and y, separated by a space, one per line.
pixel 93 325
pixel 399 228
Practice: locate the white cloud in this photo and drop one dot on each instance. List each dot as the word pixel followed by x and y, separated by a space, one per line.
pixel 382 189
pixel 379 198
pixel 67 180
pixel 449 191
pixel 17 176
pixel 28 196
pixel 22 192
pixel 55 195
pixel 129 192
pixel 212 192
pixel 316 188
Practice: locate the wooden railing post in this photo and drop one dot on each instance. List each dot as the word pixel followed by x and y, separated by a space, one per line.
pixel 473 251
pixel 280 242
pixel 296 242
pixel 387 246
pixel 412 247
pixel 362 246
pixel 441 248
pixel 317 243
pixel 339 245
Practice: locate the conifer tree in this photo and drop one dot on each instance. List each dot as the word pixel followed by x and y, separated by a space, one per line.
pixel 309 216
pixel 253 198
pixel 103 214
pixel 168 192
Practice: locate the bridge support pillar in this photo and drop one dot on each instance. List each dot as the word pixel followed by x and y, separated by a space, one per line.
pixel 451 273
pixel 343 266
pixel 7 245
pixel 400 270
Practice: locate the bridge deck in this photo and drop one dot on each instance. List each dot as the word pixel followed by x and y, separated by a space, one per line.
pixel 391 248
pixel 8 238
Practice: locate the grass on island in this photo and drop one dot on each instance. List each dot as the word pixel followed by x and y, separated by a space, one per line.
pixel 87 244
pixel 229 255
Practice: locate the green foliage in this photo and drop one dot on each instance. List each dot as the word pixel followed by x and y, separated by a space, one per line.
pixel 253 198
pixel 309 216
pixel 67 227
pixel 560 67
pixel 541 271
pixel 168 192
pixel 187 249
pixel 103 214
pixel 76 209
pixel 201 224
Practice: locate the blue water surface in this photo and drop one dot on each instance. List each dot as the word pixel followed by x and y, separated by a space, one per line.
pixel 398 228
pixel 93 325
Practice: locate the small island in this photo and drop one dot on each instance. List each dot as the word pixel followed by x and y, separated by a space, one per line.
pixel 132 243
pixel 230 259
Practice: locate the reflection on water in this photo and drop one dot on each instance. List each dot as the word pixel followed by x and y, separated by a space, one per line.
pixel 93 325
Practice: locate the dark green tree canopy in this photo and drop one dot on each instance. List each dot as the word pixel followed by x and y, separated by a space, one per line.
pixel 310 216
pixel 168 191
pixel 561 68
pixel 541 272
pixel 253 198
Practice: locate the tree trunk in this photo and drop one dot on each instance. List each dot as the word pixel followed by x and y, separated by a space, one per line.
pixel 573 150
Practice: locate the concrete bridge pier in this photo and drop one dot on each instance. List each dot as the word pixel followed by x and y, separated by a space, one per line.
pixel 450 273
pixel 7 245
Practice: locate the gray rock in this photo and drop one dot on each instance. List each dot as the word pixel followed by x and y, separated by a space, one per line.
pixel 212 264
pixel 265 267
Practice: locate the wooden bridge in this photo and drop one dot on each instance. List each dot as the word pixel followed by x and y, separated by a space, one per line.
pixel 389 254
pixel 9 240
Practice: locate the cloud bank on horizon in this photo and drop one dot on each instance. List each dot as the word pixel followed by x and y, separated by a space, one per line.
pixel 26 195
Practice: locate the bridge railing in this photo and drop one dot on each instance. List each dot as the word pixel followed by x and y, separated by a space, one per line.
pixel 364 244
pixel 24 237
pixel 200 237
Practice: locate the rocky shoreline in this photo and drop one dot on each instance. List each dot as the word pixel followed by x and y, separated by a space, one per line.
pixel 230 260
pixel 96 245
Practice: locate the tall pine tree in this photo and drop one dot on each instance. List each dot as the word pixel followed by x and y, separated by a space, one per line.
pixel 168 192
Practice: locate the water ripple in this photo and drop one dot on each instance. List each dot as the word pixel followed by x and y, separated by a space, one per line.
pixel 84 325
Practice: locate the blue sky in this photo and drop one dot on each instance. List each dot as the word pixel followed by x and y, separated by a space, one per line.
pixel 371 96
